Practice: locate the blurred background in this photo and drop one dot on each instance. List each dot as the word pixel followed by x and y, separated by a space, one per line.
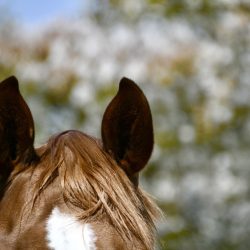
pixel 191 58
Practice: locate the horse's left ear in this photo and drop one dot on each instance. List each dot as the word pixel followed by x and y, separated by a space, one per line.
pixel 127 130
pixel 16 128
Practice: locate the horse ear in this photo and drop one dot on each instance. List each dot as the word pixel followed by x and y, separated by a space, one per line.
pixel 16 128
pixel 127 130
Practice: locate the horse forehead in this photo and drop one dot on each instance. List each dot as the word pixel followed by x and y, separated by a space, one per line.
pixel 64 232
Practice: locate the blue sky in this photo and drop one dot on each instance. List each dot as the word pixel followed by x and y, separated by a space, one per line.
pixel 31 12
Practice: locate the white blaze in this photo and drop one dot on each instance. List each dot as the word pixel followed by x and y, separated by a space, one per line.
pixel 64 232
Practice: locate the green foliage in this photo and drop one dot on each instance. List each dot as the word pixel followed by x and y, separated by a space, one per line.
pixel 194 55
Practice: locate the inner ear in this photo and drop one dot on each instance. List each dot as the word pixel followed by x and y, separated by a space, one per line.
pixel 16 127
pixel 127 130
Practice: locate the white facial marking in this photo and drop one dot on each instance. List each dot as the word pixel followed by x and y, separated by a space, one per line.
pixel 64 232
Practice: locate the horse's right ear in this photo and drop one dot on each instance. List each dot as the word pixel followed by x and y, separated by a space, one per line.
pixel 127 129
pixel 16 128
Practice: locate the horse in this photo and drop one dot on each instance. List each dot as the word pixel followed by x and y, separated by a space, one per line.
pixel 76 191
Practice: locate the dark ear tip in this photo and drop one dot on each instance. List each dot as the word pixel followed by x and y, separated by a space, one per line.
pixel 127 83
pixel 12 78
pixel 125 79
pixel 10 82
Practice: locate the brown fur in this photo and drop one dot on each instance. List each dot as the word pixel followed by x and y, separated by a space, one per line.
pixel 82 177
pixel 74 170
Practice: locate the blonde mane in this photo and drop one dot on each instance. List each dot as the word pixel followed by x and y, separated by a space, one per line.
pixel 96 188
